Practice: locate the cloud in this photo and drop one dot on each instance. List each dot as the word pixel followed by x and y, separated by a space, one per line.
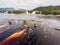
pixel 27 4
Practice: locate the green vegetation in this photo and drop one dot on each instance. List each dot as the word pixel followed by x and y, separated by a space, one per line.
pixel 13 11
pixel 47 10
pixel 2 11
pixel 16 12
pixel 44 10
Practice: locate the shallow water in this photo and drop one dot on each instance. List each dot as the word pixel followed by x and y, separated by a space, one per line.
pixel 47 35
pixel 50 20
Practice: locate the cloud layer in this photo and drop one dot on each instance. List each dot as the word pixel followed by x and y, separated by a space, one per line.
pixel 27 4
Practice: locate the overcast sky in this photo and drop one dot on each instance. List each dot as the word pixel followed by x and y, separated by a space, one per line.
pixel 27 4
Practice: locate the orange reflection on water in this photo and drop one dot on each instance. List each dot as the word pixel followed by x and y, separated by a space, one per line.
pixel 13 36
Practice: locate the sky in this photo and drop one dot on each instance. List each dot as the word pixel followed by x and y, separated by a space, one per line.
pixel 27 4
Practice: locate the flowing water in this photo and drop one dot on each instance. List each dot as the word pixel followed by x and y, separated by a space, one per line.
pixel 49 31
pixel 54 21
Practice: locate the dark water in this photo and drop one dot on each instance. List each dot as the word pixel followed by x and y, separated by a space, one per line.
pixel 46 33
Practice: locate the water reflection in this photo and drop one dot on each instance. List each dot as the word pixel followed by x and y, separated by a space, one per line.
pixel 46 31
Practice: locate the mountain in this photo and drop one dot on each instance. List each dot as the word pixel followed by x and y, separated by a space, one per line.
pixel 4 9
pixel 48 9
pixel 56 7
pixel 12 10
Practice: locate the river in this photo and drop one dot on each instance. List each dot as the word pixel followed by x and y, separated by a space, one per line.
pixel 48 31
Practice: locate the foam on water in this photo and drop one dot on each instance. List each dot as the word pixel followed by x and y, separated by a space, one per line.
pixel 53 23
pixel 17 16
